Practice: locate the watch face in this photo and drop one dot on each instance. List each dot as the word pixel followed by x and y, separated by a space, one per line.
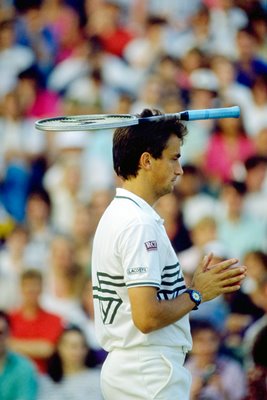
pixel 196 296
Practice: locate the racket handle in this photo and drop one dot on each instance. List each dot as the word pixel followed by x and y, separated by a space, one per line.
pixel 212 113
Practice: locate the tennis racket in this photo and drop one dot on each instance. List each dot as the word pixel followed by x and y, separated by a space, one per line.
pixel 111 121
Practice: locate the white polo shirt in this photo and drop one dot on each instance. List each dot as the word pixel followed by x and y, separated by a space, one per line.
pixel 131 248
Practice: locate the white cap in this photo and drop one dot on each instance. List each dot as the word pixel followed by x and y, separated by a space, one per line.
pixel 205 79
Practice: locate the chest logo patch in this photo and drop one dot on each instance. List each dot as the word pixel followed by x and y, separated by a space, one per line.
pixel 151 245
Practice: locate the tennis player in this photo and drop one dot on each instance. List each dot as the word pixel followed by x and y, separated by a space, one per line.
pixel 141 301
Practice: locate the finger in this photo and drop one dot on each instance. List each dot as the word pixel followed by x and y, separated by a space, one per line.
pixel 233 281
pixel 224 265
pixel 230 289
pixel 233 272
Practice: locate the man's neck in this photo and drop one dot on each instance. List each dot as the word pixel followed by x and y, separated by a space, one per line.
pixel 141 190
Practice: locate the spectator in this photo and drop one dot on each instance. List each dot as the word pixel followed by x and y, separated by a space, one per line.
pixel 12 264
pixel 18 136
pixel 226 19
pixel 40 229
pixel 260 140
pixel 71 373
pixel 192 60
pixel 21 154
pixel 196 34
pixel 144 51
pixel 14 58
pixel 18 377
pixel 167 69
pixel 248 64
pixel 229 89
pixel 258 24
pixel 89 94
pixel 257 375
pixel 196 201
pixel 237 230
pixel 82 233
pixel 254 108
pixel 33 32
pixel 215 376
pixel 231 140
pixel 247 306
pixel 64 23
pixel 63 284
pixel 98 202
pixel 169 208
pixel 256 197
pixel 202 93
pixel 106 22
pixel 255 327
pixel 36 100
pixel 33 331
pixel 66 194
pixel 6 224
pixel 149 94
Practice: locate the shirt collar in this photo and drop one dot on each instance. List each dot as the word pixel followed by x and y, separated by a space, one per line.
pixel 120 192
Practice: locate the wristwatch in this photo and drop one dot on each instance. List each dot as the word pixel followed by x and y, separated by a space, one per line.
pixel 195 296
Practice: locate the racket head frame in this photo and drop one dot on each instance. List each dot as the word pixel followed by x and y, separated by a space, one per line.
pixel 86 122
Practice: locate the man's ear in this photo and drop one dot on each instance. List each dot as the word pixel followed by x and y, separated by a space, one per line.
pixel 145 161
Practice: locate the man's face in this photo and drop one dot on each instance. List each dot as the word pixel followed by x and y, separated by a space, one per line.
pixel 166 169
pixel 31 290
pixel 3 336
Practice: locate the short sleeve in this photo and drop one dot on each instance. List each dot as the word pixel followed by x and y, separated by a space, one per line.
pixel 139 248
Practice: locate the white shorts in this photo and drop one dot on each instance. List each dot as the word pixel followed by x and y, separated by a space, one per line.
pixel 145 374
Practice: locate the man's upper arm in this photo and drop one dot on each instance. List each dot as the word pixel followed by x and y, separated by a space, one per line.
pixel 143 300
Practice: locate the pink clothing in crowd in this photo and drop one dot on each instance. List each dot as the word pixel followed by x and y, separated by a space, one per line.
pixel 222 158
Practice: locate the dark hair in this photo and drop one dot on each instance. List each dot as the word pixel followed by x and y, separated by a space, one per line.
pixel 32 73
pixel 191 169
pixel 40 194
pixel 156 20
pixel 7 24
pixel 31 274
pixel 203 325
pixel 239 187
pixel 255 160
pixel 129 143
pixel 23 6
pixel 259 348
pixel 4 316
pixel 54 364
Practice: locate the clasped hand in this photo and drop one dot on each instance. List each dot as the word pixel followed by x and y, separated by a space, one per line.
pixel 212 280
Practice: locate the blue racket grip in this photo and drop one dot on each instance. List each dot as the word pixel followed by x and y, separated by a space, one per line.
pixel 212 113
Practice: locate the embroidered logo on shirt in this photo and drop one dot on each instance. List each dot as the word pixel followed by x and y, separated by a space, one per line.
pixel 136 270
pixel 151 245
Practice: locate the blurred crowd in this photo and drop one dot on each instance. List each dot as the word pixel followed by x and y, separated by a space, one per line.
pixel 73 57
